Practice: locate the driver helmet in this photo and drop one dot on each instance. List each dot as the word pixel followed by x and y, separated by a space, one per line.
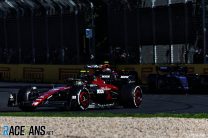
pixel 106 67
pixel 106 70
pixel 33 89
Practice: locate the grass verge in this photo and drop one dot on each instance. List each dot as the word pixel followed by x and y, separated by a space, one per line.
pixel 99 114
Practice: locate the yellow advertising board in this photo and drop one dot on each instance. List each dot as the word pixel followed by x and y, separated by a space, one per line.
pixel 58 73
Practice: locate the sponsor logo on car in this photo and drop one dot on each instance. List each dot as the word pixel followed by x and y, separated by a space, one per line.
pixel 124 77
pixel 100 91
pixel 105 76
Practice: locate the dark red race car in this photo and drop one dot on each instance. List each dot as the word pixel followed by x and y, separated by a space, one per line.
pixel 97 86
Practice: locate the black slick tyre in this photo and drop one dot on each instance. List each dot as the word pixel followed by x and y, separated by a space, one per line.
pixel 23 99
pixel 81 102
pixel 131 96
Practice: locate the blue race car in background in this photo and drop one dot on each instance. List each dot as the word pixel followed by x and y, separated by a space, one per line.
pixel 169 78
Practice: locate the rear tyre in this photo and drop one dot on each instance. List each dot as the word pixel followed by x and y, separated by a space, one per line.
pixel 131 96
pixel 23 99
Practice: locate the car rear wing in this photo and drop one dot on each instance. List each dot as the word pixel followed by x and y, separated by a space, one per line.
pixel 171 69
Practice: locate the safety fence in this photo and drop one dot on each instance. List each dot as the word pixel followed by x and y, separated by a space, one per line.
pixel 58 73
pixel 27 27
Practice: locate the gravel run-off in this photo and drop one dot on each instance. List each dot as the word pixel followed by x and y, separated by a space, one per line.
pixel 116 127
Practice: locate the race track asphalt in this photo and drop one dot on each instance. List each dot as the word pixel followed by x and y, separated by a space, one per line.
pixel 152 103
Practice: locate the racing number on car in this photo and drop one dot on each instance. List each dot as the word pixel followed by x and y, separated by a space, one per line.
pixel 100 91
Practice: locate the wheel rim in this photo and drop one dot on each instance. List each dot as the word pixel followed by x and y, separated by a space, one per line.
pixel 137 97
pixel 84 100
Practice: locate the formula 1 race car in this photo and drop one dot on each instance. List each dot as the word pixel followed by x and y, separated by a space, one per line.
pixel 169 78
pixel 97 85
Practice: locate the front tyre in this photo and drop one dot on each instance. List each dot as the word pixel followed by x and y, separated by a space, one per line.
pixel 80 101
pixel 25 97
pixel 131 96
pixel 83 99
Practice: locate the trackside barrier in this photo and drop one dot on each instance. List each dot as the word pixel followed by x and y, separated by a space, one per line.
pixel 5 73
pixel 65 73
pixel 145 69
pixel 57 73
pixel 33 74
